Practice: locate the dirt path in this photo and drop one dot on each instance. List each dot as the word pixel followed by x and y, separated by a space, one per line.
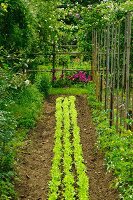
pixel 36 156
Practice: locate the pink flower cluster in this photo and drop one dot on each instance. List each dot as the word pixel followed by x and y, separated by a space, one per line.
pixel 80 77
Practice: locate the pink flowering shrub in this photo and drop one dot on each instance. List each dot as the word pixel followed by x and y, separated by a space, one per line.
pixel 81 77
pixel 64 80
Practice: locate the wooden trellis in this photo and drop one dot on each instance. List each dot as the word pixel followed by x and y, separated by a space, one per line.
pixel 112 71
pixel 54 53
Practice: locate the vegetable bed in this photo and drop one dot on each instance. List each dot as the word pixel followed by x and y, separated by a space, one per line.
pixel 68 174
pixel 36 158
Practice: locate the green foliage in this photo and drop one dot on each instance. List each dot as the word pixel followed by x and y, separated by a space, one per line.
pixel 61 83
pixel 43 83
pixel 7 188
pixel 116 146
pixel 7 134
pixel 27 28
pixel 20 106
pixel 27 106
pixel 99 16
pixel 7 131
pixel 64 60
pixel 18 31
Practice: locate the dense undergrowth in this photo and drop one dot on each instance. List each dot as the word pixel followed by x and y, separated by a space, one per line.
pixel 20 107
pixel 117 147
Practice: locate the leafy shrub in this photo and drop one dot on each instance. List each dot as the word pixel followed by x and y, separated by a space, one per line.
pixel 43 83
pixel 7 131
pixel 27 106
pixel 62 82
pixel 7 188
pixel 64 60
pixel 7 134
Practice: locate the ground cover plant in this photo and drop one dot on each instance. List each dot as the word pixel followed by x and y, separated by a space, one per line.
pixel 117 147
pixel 68 173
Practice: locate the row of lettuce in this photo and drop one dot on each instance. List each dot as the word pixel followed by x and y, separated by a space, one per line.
pixel 68 173
pixel 20 107
pixel 117 147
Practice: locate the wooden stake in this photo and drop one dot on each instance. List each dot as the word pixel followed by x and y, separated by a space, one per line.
pixel 128 65
pixel 112 77
pixel 54 56
pixel 107 66
pixel 123 76
pixel 118 78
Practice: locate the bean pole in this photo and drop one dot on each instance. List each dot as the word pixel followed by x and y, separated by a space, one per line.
pixel 112 71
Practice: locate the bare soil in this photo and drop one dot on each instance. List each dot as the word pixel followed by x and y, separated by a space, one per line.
pixel 36 155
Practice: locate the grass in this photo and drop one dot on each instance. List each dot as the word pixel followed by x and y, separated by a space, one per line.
pixel 68 91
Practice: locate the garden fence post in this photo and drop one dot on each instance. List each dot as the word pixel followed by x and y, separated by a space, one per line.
pixel 54 58
pixel 107 66
pixel 118 77
pixel 128 65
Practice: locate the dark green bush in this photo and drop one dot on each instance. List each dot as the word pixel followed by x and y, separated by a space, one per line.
pixel 62 82
pixel 27 106
pixel 43 83
pixel 7 154
pixel 7 188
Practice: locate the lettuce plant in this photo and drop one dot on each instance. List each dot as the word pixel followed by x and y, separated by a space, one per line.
pixel 55 171
pixel 68 150
pixel 83 182
pixel 67 161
